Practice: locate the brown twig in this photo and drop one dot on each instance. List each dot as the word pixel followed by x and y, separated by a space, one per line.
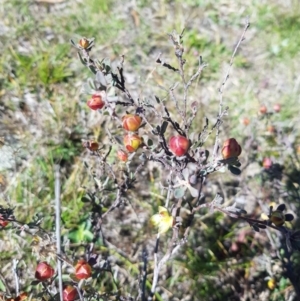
pixel 221 89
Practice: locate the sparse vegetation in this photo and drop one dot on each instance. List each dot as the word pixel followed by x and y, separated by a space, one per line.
pixel 112 188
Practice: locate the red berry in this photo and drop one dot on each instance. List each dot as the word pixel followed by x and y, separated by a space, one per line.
pixel 97 101
pixel 44 271
pixel 132 142
pixel 231 149
pixel 131 122
pixel 267 163
pixel 83 270
pixel 3 223
pixel 69 293
pixel 91 145
pixel 246 121
pixel 277 108
pixel 179 145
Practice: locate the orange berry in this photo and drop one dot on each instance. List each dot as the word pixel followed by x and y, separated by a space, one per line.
pixel 83 270
pixel 231 149
pixel 246 121
pixel 84 43
pixel 263 109
pixel 132 142
pixel 131 122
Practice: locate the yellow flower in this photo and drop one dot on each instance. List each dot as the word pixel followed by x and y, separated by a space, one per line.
pixel 162 220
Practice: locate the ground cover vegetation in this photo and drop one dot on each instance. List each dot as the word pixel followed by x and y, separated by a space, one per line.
pixel 171 156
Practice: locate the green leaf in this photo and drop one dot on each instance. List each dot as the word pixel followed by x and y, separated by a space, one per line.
pixel 255 228
pixel 150 142
pixel 179 192
pixel 281 207
pixel 234 170
pixel 163 127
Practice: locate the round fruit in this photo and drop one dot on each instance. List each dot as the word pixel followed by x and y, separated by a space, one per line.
pixel 131 122
pixel 179 145
pixel 44 271
pixel 96 102
pixel 69 293
pixel 83 270
pixel 263 109
pixel 132 142
pixel 231 149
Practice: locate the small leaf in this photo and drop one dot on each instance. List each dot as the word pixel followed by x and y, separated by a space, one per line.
pixel 261 226
pixel 255 228
pixel 74 44
pixel 163 127
pixel 155 132
pixel 83 61
pixel 86 199
pixel 86 89
pixel 149 142
pixel 237 164
pixel 194 192
pixel 100 78
pixel 179 192
pixel 143 157
pixel 289 217
pixel 157 99
pixel 234 170
pixel 119 140
pixel 91 83
pixel 93 69
pixel 281 207
pixel 35 282
pixel 186 174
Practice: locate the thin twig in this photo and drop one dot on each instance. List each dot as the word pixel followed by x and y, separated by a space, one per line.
pixel 221 89
pixel 144 271
pixel 58 228
pixel 15 271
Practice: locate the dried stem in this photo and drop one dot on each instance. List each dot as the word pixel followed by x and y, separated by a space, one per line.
pixel 15 271
pixel 221 89
pixel 58 228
